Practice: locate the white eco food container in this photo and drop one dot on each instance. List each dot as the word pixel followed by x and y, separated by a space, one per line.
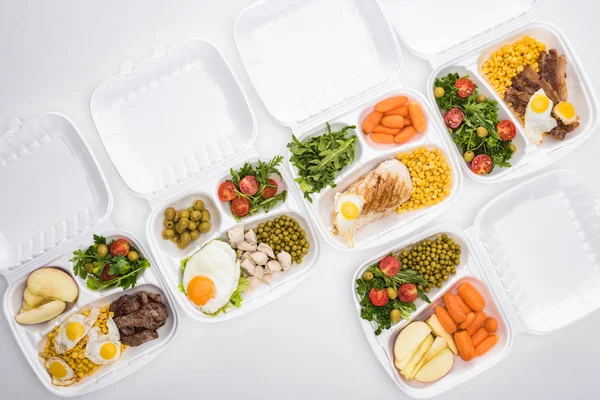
pixel 336 71
pixel 461 38
pixel 173 126
pixel 533 253
pixel 46 158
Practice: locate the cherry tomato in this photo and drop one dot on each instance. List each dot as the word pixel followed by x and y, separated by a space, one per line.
pixel 506 130
pixel 240 206
pixel 465 87
pixel 454 117
pixel 270 191
pixel 482 164
pixel 105 276
pixel 226 191
pixel 379 297
pixel 120 247
pixel 249 185
pixel 389 266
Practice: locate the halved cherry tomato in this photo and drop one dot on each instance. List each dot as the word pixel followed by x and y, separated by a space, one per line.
pixel 270 191
pixel 240 206
pixel 120 247
pixel 389 265
pixel 506 130
pixel 454 117
pixel 226 191
pixel 465 87
pixel 249 185
pixel 379 297
pixel 105 276
pixel 482 164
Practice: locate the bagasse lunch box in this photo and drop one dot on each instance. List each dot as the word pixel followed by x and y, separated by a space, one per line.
pixel 464 46
pixel 515 254
pixel 336 71
pixel 46 158
pixel 173 127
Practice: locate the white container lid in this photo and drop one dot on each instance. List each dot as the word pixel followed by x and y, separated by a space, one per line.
pixel 160 136
pixel 303 70
pixel 434 27
pixel 52 189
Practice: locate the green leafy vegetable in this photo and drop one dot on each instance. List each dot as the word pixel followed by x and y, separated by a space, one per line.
pixel 483 114
pixel 236 298
pixel 320 158
pixel 181 288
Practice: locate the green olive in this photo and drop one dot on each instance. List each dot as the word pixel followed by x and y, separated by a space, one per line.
pixel 102 250
pixel 182 245
pixel 482 132
pixel 170 213
pixel 168 223
pixel 469 156
pixel 177 217
pixel 168 234
pixel 196 215
pixel 392 294
pixel 185 237
pixel 190 209
pixel 205 215
pixel 133 256
pixel 480 98
pixel 180 229
pixel 439 92
pixel 198 205
pixel 183 223
pixel 204 227
pixel 184 214
pixel 195 234
pixel 175 238
pixel 367 276
pixel 512 147
pixel 395 316
pixel 192 225
pixel 89 268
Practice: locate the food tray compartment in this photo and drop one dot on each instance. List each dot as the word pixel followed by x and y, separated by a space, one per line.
pixel 367 156
pixel 32 338
pixel 171 256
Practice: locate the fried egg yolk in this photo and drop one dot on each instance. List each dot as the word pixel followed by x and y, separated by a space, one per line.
pixel 108 351
pixel 57 370
pixel 539 103
pixel 200 290
pixel 349 210
pixel 75 330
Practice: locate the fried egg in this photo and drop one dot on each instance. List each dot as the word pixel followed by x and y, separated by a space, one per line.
pixel 211 276
pixel 565 112
pixel 60 372
pixel 101 348
pixel 346 209
pixel 538 120
pixel 73 329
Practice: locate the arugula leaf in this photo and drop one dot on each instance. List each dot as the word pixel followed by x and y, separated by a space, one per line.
pixel 181 288
pixel 184 262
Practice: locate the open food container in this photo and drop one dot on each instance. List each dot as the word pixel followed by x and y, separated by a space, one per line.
pixel 47 158
pixel 173 126
pixel 518 267
pixel 464 47
pixel 313 62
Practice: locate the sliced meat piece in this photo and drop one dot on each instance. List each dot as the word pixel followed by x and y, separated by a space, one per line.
pixel 115 305
pixel 138 338
pixel 530 81
pixel 150 316
pixel 553 69
pixel 517 99
pixel 142 297
pixel 126 331
pixel 154 297
pixel 561 130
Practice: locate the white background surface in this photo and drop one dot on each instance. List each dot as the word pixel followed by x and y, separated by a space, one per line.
pixel 309 343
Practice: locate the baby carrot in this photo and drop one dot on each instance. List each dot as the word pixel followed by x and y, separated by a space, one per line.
pixel 405 134
pixel 471 296
pixel 469 318
pixel 464 344
pixel 491 325
pixel 463 305
pixel 384 129
pixel 445 319
pixel 407 121
pixel 484 346
pixel 477 322
pixel 479 336
pixel 393 121
pixel 382 138
pixel 457 314
pixel 391 103
pixel 371 122
pixel 403 111
pixel 417 117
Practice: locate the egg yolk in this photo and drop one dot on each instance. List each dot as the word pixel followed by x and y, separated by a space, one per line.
pixel 349 210
pixel 57 370
pixel 539 103
pixel 75 330
pixel 200 290
pixel 566 110
pixel 108 351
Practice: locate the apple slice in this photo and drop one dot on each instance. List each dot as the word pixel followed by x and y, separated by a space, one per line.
pixel 438 330
pixel 42 313
pixel 25 306
pixel 414 360
pixel 408 341
pixel 32 300
pixel 437 367
pixel 438 345
pixel 52 283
